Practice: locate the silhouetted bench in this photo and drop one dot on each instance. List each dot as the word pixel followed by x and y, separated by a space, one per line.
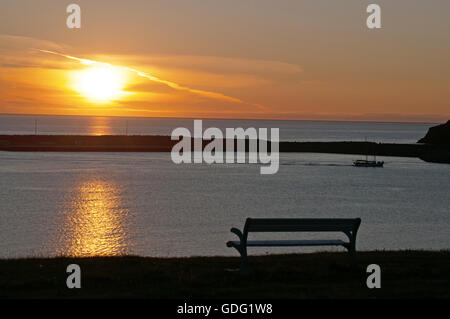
pixel 252 225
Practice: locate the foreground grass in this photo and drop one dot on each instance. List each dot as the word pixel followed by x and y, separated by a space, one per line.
pixel 405 274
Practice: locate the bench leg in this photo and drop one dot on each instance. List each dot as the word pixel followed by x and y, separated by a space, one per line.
pixel 353 257
pixel 243 252
pixel 352 254
pixel 244 266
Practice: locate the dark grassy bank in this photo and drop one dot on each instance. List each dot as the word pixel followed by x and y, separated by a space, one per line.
pixel 122 143
pixel 405 274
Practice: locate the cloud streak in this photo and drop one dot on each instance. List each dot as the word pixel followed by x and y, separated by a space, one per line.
pixel 173 85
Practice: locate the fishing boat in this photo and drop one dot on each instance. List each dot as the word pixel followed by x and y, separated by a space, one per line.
pixel 367 163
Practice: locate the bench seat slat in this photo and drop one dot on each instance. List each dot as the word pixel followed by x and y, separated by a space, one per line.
pixel 300 224
pixel 286 243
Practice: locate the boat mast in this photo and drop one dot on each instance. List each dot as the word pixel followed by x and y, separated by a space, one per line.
pixel 367 153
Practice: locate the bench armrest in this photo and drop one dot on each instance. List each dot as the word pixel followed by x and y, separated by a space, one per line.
pixel 238 233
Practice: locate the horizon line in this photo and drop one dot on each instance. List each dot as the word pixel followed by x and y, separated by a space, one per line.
pixel 230 118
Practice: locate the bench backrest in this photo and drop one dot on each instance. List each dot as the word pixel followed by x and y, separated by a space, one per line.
pixel 347 225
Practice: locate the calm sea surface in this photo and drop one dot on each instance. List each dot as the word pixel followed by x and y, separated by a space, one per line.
pixel 141 203
pixel 289 130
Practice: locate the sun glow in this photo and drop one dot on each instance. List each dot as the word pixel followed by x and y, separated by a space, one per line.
pixel 100 84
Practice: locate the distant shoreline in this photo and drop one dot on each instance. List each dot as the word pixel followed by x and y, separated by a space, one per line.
pixel 155 143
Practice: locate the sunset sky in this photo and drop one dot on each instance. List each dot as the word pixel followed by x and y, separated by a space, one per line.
pixel 299 59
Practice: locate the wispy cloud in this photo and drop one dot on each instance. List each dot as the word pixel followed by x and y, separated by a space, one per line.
pixel 17 52
pixel 173 85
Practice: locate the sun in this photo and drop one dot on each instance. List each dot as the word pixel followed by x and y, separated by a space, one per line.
pixel 100 84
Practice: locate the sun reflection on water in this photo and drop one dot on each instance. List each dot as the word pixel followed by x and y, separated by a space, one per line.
pixel 96 221
pixel 100 126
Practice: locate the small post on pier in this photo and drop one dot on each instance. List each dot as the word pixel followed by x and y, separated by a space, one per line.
pixel 35 127
pixel 126 128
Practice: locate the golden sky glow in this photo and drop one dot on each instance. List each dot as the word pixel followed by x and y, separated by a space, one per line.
pixel 283 60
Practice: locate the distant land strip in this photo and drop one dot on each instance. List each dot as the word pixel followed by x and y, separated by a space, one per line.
pixel 156 143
